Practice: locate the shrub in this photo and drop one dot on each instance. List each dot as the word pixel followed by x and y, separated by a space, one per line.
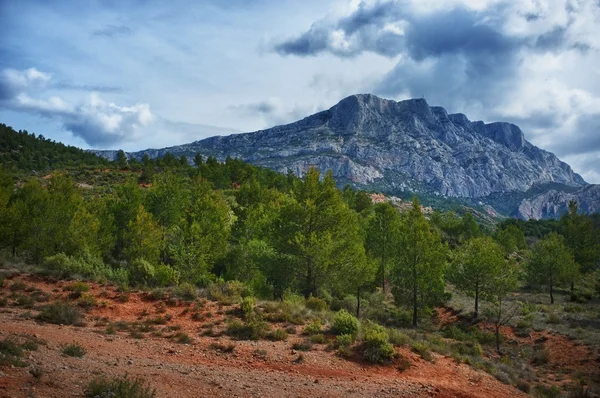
pixel 252 330
pixel 247 306
pixel 60 314
pixel 376 345
pixel 165 276
pixel 318 338
pixel 73 350
pixel 554 319
pixel 540 356
pixel 277 335
pixel 228 293
pixel 345 323
pixel 78 288
pixel 186 291
pixel 222 347
pixel 343 342
pixel 422 348
pixel 547 392
pixel 398 338
pixel 314 327
pixel 141 272
pixel 18 285
pixel 305 345
pixel 119 387
pixel 316 304
pixel 183 338
pixel 87 301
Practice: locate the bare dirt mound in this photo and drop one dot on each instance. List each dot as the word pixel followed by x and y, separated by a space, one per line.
pixel 130 333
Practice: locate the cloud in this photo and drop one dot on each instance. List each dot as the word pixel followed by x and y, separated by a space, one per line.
pixel 113 31
pixel 94 120
pixel 98 88
pixel 13 81
pixel 529 62
pixel 274 111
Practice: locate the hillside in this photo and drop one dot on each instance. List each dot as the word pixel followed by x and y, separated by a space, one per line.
pixel 27 153
pixel 395 147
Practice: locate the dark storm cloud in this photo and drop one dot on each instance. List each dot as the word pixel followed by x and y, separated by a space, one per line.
pixel 587 141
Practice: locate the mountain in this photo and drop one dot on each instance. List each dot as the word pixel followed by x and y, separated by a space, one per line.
pixel 394 147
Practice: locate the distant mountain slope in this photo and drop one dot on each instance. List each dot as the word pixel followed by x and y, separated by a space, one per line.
pixel 26 152
pixel 395 147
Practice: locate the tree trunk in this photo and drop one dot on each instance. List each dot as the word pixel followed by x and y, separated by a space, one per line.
pixel 415 297
pixel 358 302
pixel 498 339
pixel 476 301
pixel 551 295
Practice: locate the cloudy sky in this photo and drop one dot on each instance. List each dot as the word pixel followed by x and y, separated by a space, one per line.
pixel 137 74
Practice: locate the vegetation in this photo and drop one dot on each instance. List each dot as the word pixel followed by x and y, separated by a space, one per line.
pixel 123 386
pixel 297 252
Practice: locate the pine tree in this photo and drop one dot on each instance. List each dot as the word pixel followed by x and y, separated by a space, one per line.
pixel 475 266
pixel 419 264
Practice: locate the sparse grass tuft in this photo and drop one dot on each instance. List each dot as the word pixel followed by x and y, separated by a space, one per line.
pixel 73 350
pixel 60 314
pixel 277 335
pixel 123 386
pixel 423 349
pixel 223 348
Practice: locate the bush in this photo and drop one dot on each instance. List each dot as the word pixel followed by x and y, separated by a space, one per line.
pixel 554 319
pixel 60 314
pixel 316 304
pixel 87 301
pixel 376 344
pixel 165 276
pixel 305 345
pixel 345 323
pixel 314 327
pixel 343 343
pixel 85 265
pixel 277 335
pixel 398 338
pixel 247 306
pixel 186 291
pixel 183 338
pixel 318 338
pixel 252 330
pixel 540 356
pixel 73 350
pixel 422 348
pixel 141 272
pixel 78 288
pixel 121 387
pixel 228 293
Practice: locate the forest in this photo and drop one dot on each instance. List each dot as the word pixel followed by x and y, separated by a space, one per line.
pixel 168 223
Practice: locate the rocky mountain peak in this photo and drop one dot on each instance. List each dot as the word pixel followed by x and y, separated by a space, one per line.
pixel 394 146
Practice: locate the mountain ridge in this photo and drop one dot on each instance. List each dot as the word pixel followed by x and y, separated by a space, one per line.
pixel 394 146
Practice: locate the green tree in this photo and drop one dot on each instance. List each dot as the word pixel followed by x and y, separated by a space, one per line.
pixel 121 159
pixel 419 264
pixel 551 263
pixel 510 238
pixel 201 238
pixel 143 238
pixel 318 234
pixel 475 267
pixel 382 235
pixel 501 312
pixel 580 237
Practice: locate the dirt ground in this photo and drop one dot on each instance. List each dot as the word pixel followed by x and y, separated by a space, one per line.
pixel 254 368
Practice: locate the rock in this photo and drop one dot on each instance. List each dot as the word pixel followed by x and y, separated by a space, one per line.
pixel 392 147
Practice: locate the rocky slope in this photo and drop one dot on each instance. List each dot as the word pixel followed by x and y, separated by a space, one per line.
pixel 553 203
pixel 394 147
